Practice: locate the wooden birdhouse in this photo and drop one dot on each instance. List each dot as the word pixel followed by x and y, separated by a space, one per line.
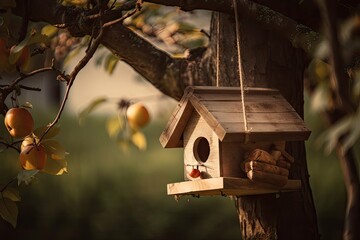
pixel 224 156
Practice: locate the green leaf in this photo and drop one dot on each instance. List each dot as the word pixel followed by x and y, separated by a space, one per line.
pixel 54 149
pixel 12 194
pixel 52 132
pixel 29 40
pixel 26 176
pixel 55 167
pixel 9 211
pixel 110 63
pixel 139 140
pixel 91 107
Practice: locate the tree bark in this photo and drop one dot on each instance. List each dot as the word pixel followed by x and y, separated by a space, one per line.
pixel 269 61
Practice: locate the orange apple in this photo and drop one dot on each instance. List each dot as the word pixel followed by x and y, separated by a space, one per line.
pixel 137 115
pixel 33 157
pixel 19 122
pixel 29 140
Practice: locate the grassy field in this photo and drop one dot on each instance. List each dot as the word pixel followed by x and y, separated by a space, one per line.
pixel 109 194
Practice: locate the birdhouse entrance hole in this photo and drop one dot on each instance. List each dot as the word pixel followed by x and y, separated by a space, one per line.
pixel 201 149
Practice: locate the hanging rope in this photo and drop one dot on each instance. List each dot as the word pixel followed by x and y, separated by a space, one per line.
pixel 242 91
pixel 218 49
pixel 247 131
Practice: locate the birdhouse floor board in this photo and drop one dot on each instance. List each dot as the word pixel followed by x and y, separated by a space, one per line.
pixel 227 186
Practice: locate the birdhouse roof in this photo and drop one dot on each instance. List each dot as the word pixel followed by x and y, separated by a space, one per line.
pixel 269 116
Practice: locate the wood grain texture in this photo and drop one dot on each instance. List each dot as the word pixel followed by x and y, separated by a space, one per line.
pixel 171 135
pixel 269 116
pixel 228 186
pixel 197 128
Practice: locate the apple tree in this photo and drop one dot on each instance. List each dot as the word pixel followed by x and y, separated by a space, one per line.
pixel 282 44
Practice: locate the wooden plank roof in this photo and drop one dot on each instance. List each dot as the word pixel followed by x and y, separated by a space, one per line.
pixel 269 116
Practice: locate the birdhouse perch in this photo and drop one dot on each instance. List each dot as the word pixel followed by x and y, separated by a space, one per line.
pixel 220 156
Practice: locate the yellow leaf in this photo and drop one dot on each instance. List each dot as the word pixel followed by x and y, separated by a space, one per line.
pixel 54 149
pixel 49 30
pixel 114 125
pixel 8 211
pixel 91 107
pixel 139 140
pixel 55 167
pixel 12 194
pixel 27 105
pixel 50 134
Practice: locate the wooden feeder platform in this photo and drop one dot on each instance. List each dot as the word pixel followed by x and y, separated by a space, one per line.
pixel 227 186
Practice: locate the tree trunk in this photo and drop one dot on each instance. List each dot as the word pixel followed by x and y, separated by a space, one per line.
pixel 268 61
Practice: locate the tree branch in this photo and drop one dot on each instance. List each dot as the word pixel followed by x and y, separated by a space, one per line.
pixel 298 34
pixel 340 81
pixel 164 72
pixel 351 180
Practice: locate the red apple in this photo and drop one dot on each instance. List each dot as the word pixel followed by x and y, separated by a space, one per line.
pixel 195 173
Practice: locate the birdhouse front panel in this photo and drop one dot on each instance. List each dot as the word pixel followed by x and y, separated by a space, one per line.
pixel 201 149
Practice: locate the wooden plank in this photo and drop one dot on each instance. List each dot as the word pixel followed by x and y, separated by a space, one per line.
pixel 228 186
pixel 235 106
pixel 196 129
pixel 271 127
pixel 208 117
pixel 266 137
pixel 171 135
pixel 237 97
pixel 261 118
pixel 229 90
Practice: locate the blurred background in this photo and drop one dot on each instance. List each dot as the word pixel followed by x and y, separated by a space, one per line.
pixel 110 193
pixel 114 194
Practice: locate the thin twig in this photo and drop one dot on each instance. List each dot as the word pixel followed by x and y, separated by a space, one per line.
pixel 7 145
pixel 30 88
pixel 35 72
pixel 89 54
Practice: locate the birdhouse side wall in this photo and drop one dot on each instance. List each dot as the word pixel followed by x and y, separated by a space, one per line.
pixel 201 148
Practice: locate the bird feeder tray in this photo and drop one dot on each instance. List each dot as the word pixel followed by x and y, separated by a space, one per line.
pixel 227 186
